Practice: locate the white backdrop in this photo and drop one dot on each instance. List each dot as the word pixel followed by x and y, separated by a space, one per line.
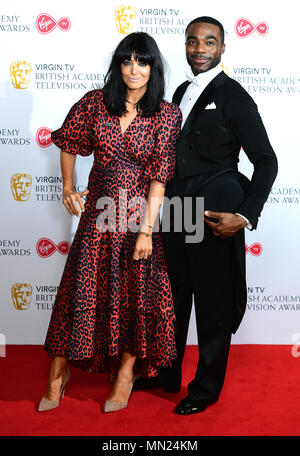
pixel 52 53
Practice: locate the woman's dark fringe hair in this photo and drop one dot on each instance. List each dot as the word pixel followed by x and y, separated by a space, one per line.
pixel 145 50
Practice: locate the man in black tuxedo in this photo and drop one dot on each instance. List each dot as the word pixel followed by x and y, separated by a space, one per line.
pixel 219 117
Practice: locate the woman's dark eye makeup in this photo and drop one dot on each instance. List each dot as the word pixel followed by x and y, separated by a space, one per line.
pixel 129 62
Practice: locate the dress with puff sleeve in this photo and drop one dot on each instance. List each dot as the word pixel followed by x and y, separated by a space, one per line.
pixel 108 302
pixel 76 133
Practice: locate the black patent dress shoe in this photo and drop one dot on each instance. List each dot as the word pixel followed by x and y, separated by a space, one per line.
pixel 141 383
pixel 190 405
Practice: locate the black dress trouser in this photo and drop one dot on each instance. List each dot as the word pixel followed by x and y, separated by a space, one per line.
pixel 203 270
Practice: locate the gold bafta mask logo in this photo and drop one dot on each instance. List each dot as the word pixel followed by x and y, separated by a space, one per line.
pixel 226 69
pixel 20 72
pixel 21 295
pixel 21 186
pixel 125 18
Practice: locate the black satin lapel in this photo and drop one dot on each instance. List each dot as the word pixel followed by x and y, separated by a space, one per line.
pixel 204 99
pixel 179 92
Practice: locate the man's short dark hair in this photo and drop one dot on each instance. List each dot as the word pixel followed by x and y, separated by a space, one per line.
pixel 208 20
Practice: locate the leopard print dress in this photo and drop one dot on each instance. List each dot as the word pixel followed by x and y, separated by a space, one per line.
pixel 107 302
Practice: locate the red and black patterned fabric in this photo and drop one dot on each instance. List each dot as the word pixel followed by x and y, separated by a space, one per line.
pixel 107 302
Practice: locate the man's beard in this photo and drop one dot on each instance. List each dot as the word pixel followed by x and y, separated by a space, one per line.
pixel 212 63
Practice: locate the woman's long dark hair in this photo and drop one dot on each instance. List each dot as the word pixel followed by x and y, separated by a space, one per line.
pixel 145 50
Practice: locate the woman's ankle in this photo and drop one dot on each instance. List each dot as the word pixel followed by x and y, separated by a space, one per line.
pixel 57 370
pixel 125 375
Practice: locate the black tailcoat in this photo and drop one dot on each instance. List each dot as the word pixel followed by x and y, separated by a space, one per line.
pixel 209 146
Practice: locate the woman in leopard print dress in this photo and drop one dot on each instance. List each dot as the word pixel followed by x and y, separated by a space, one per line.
pixel 114 310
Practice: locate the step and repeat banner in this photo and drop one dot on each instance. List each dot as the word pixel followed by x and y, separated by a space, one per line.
pixel 52 53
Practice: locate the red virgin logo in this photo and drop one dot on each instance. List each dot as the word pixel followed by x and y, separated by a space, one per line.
pixel 45 23
pixel 255 249
pixel 244 28
pixel 45 247
pixel 43 137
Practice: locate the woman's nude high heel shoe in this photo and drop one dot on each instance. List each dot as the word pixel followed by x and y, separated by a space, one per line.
pixel 45 404
pixel 114 406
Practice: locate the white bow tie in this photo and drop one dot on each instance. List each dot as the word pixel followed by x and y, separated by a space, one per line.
pixel 194 80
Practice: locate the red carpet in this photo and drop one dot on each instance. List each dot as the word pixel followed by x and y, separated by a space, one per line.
pixel 261 397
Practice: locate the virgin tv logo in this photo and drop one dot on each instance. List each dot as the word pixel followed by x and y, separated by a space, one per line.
pixel 255 249
pixel 45 23
pixel 45 247
pixel 43 137
pixel 244 28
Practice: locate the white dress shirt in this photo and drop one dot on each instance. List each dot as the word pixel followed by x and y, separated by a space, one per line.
pixel 191 95
pixel 195 89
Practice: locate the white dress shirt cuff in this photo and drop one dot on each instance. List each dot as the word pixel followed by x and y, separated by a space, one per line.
pixel 249 225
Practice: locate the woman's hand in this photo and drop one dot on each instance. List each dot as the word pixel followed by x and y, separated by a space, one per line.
pixel 69 200
pixel 143 245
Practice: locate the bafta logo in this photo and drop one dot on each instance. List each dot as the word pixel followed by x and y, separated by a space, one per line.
pixel 20 72
pixel 21 295
pixel 125 18
pixel 21 186
pixel 226 69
